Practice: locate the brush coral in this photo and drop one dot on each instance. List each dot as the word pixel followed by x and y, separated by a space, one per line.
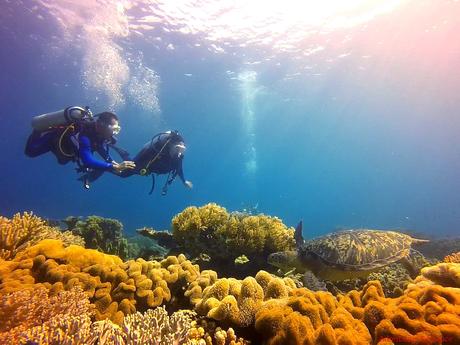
pixel 454 258
pixel 103 234
pixel 212 230
pixel 23 231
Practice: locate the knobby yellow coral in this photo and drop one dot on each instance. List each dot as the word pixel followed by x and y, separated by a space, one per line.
pixel 114 287
pixel 236 301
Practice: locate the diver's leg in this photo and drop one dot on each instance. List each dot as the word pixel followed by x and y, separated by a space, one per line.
pixel 39 143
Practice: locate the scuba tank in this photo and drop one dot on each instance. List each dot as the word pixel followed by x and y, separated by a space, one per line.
pixel 64 117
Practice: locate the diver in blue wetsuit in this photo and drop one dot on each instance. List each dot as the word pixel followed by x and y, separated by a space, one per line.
pixel 74 135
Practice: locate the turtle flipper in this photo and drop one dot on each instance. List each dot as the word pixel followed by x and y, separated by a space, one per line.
pixel 311 282
pixel 414 262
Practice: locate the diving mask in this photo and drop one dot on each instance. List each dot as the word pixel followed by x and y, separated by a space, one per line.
pixel 178 150
pixel 114 128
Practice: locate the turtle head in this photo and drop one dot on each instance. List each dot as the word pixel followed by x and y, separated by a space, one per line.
pixel 299 241
pixel 285 260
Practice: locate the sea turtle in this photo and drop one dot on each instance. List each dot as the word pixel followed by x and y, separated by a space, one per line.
pixel 345 254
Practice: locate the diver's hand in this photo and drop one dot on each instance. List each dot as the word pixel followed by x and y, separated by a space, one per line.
pixel 119 167
pixel 189 184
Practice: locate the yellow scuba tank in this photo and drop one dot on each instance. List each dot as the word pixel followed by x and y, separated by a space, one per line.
pixel 63 117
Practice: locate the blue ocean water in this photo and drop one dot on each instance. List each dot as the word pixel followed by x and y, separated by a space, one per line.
pixel 342 126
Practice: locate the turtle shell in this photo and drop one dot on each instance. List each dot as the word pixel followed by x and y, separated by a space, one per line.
pixel 358 249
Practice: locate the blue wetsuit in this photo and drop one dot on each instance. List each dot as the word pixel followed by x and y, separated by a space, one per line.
pixel 88 142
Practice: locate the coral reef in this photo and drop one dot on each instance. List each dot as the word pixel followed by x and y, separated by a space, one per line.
pixel 23 231
pixel 445 274
pixel 235 301
pixel 454 257
pixel 114 287
pixel 103 234
pixel 223 236
pixel 55 293
pixel 307 317
pixel 32 315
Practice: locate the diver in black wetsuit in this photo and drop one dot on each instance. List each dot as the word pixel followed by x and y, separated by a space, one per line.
pixel 163 154
pixel 78 141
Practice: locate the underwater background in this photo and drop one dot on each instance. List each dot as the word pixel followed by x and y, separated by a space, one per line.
pixel 343 114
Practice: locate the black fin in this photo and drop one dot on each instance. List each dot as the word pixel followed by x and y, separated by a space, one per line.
pixel 153 184
pixel 298 235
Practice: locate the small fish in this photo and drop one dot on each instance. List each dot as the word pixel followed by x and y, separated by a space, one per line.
pixel 241 260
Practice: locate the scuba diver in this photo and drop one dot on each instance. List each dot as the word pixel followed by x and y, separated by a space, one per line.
pixel 73 135
pixel 163 154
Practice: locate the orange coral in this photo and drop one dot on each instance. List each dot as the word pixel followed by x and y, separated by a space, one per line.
pixel 307 317
pixel 454 257
pixel 424 314
pixel 446 274
pixel 114 287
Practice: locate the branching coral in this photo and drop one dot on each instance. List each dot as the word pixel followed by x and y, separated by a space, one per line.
pixel 454 257
pixel 26 314
pixel 34 317
pixel 23 231
pixel 206 332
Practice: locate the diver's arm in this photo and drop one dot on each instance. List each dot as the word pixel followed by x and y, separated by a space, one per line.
pixel 180 173
pixel 103 151
pixel 179 170
pixel 87 156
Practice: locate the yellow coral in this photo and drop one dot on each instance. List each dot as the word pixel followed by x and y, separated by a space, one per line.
pixel 212 230
pixel 114 287
pixel 454 257
pixel 307 317
pixel 446 274
pixel 236 301
pixel 20 232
